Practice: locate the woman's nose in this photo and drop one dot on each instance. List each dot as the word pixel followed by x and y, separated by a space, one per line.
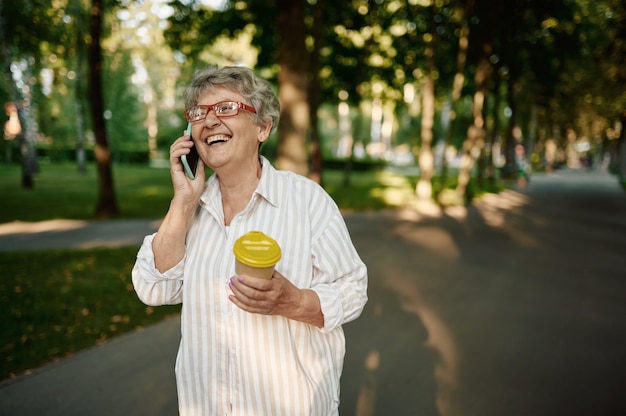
pixel 212 120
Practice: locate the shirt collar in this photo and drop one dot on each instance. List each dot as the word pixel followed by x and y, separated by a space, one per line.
pixel 267 187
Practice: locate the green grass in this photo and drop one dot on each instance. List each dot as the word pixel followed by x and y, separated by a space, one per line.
pixel 370 190
pixel 60 191
pixel 55 303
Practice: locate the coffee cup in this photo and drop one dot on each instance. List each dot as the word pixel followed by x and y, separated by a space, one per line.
pixel 256 254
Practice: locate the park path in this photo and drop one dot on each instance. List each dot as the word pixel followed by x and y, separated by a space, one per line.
pixel 52 234
pixel 513 306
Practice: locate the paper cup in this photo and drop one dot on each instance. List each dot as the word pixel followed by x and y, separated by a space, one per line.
pixel 256 254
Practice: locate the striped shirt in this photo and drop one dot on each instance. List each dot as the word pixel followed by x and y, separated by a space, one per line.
pixel 231 362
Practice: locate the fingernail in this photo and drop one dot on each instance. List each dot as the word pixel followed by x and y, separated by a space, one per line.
pixel 240 278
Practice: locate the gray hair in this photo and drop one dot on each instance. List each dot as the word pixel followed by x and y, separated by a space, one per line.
pixel 241 80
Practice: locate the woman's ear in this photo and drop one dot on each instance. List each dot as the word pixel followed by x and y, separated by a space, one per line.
pixel 264 131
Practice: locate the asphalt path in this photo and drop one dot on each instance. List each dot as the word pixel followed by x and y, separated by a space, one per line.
pixel 53 234
pixel 515 305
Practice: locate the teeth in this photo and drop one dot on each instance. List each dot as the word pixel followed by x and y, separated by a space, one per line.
pixel 215 139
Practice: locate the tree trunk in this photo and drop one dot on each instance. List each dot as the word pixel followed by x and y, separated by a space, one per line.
pixel 475 141
pixel 480 163
pixel 423 189
pixel 152 120
pixel 457 87
pixel 314 92
pixel 476 133
pixel 510 166
pixel 28 148
pixel 107 204
pixel 621 148
pixel 494 138
pixel 292 84
pixel 80 125
pixel 28 126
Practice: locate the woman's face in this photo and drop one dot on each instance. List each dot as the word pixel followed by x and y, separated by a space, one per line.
pixel 227 141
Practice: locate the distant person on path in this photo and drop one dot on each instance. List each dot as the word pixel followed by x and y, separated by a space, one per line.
pixel 250 346
pixel 522 165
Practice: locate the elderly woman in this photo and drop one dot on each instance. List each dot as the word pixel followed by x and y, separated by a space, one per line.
pixel 250 346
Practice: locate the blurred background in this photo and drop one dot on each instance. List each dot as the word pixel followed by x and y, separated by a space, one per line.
pixel 455 91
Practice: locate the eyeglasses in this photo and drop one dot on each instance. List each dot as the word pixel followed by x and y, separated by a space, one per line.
pixel 222 109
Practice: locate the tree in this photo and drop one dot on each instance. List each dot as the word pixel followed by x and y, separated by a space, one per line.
pixel 590 92
pixel 107 203
pixel 194 27
pixel 314 91
pixel 423 189
pixel 293 60
pixel 80 122
pixel 12 35
pixel 475 140
pixel 465 11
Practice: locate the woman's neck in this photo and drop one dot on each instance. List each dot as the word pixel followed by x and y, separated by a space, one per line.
pixel 237 189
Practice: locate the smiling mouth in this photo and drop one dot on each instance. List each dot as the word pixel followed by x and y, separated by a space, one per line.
pixel 217 139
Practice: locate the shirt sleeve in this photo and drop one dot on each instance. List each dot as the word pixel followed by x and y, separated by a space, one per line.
pixel 340 276
pixel 153 287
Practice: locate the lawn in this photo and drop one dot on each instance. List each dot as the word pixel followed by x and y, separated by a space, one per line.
pixel 57 302
pixel 60 191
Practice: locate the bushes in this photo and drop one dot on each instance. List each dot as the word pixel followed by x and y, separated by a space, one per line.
pixel 63 155
pixel 361 165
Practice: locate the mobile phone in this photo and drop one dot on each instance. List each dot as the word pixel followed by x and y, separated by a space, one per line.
pixel 190 160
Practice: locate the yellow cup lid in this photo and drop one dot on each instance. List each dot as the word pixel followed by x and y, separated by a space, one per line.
pixel 257 249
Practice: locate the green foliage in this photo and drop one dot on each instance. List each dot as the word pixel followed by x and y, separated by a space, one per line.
pixel 58 302
pixel 599 72
pixel 26 23
pixel 194 29
pixel 568 55
pixel 125 114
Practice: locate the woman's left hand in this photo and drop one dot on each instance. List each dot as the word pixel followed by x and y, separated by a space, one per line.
pixel 276 296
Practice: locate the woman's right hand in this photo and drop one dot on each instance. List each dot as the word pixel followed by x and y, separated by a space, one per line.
pixel 186 190
pixel 168 245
